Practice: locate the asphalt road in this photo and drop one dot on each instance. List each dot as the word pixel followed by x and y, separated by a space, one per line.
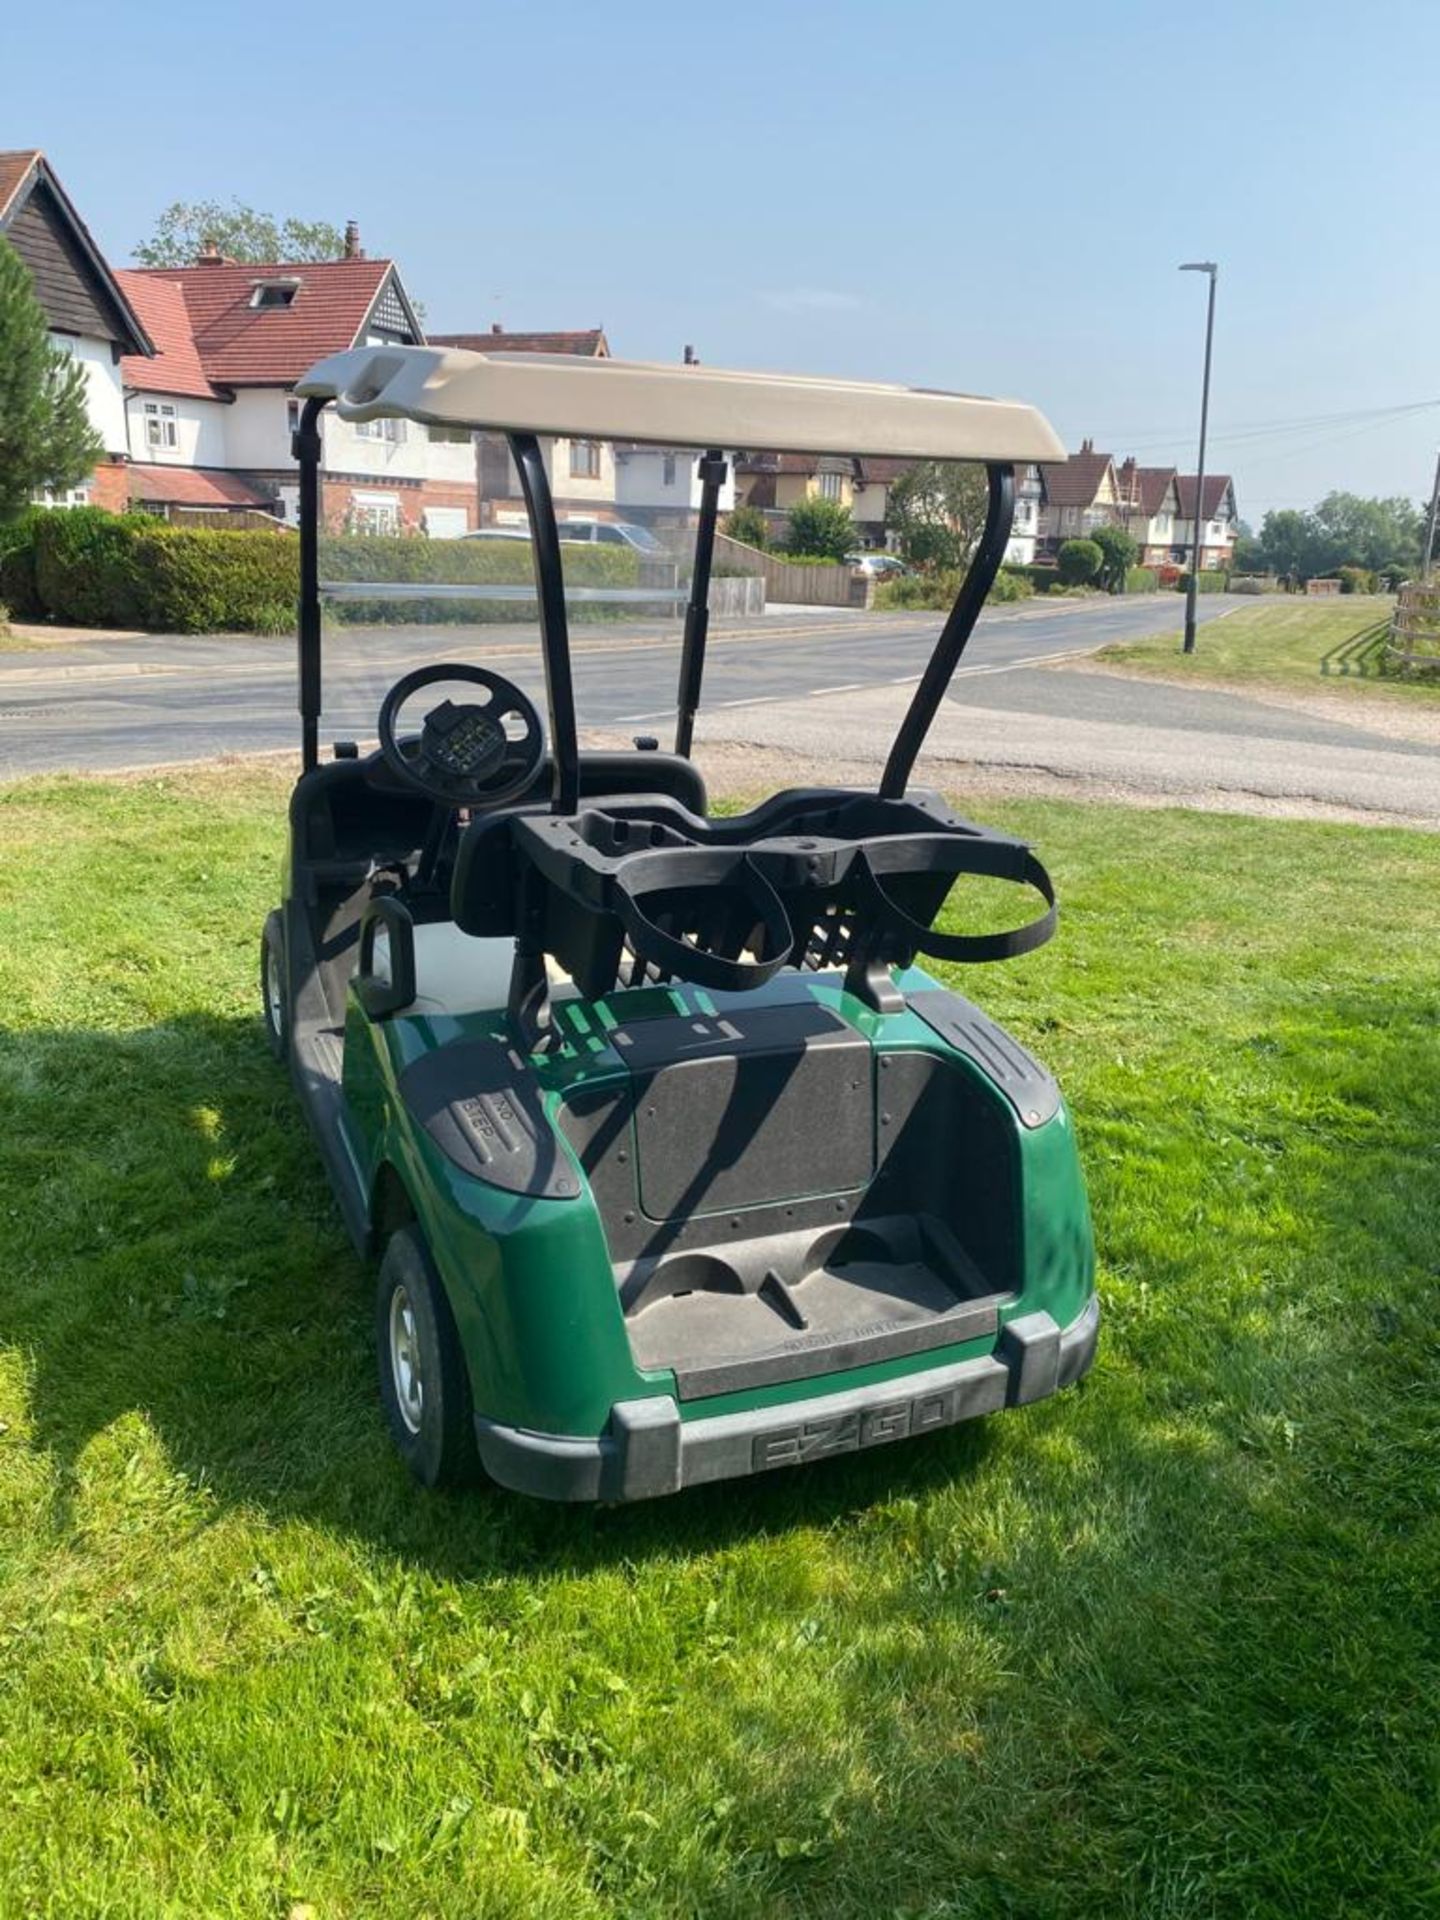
pixel 108 704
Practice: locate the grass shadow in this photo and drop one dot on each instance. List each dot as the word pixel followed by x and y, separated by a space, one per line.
pixel 176 1253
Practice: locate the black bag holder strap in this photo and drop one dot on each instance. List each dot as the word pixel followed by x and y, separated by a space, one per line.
pixel 712 872
pixel 928 854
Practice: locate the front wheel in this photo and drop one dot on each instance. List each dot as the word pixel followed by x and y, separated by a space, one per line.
pixel 423 1382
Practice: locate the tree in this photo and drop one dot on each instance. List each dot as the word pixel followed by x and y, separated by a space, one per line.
pixel 822 528
pixel 937 513
pixel 1368 533
pixel 46 439
pixel 188 228
pixel 1078 562
pixel 1381 536
pixel 1118 553
pixel 748 524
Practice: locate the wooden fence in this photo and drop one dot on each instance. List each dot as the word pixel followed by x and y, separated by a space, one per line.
pixel 797 586
pixel 1413 645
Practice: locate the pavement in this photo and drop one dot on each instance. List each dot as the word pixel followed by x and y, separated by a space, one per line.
pixel 1028 708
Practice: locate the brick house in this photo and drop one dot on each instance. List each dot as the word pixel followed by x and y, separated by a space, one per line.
pixel 1220 520
pixel 211 413
pixel 581 472
pixel 88 312
pixel 1150 508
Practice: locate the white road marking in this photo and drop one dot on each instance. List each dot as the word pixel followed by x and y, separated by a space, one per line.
pixel 851 686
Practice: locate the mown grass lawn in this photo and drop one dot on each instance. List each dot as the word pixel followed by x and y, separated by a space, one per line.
pixel 1277 641
pixel 1164 1646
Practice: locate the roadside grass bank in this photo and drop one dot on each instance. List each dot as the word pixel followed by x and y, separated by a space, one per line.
pixel 1275 643
pixel 1166 1645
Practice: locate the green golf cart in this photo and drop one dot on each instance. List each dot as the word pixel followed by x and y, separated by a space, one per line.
pixel 676 1165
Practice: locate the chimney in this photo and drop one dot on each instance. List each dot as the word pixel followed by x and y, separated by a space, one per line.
pixel 1087 446
pixel 495 327
pixel 691 359
pixel 353 248
pixel 210 254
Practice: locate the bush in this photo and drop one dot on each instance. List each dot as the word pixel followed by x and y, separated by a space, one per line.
pixel 822 527
pixel 1249 583
pixel 1078 562
pixel 95 568
pixel 17 566
pixel 1118 553
pixel 748 524
pixel 1010 584
pixel 206 580
pixel 85 566
pixel 1358 580
pixel 936 592
pixel 1212 580
pixel 398 557
pixel 1141 580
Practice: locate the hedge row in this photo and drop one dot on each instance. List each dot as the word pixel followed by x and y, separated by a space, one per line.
pixel 1208 580
pixel 90 568
pixel 1141 580
pixel 404 559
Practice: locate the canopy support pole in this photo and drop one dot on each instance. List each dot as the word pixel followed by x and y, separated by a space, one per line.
pixel 697 615
pixel 554 625
pixel 954 634
pixel 305 446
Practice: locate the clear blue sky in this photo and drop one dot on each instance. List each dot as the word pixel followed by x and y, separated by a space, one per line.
pixel 992 198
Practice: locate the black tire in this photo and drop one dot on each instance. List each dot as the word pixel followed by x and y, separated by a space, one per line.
pixel 274 991
pixel 431 1421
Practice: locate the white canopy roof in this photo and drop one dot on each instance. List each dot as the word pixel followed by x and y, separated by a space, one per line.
pixel 675 406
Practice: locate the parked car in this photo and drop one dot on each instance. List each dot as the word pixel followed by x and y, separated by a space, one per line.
pixel 880 565
pixel 614 533
pixel 498 533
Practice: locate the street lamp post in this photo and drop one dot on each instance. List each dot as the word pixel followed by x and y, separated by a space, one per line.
pixel 1208 267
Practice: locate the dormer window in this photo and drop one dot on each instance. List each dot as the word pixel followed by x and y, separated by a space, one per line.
pixel 274 293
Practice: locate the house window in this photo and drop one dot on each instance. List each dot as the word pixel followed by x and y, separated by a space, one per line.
pixel 584 459
pixel 292 415
pixel 830 485
pixel 161 427
pixel 667 470
pixel 274 293
pixel 391 430
pixel 374 513
pixel 449 436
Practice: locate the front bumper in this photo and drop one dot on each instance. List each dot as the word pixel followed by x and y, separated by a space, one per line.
pixel 648 1449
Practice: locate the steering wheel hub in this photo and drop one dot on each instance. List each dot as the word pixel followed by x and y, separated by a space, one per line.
pixel 469 753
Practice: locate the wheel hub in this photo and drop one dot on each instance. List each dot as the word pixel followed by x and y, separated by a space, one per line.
pixel 405 1360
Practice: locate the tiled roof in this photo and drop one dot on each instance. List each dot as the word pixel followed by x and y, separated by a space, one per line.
pixel 244 346
pixel 1076 481
pixel 878 471
pixel 1143 488
pixel 13 169
pixel 29 165
pixel 1217 485
pixel 192 487
pixel 590 343
pixel 176 366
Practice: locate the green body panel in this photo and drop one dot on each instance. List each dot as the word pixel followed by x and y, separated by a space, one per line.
pixel 530 1280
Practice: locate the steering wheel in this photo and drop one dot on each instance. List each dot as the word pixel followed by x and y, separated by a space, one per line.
pixel 464 756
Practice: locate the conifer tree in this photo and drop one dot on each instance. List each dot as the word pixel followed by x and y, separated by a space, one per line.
pixel 46 439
